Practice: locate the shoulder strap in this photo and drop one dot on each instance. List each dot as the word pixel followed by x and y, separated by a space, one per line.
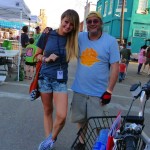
pixel 46 39
pixel 47 35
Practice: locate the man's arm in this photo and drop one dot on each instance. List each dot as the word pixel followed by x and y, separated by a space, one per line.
pixel 113 76
pixel 106 97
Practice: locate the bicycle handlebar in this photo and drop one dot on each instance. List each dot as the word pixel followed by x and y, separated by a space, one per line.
pixel 146 88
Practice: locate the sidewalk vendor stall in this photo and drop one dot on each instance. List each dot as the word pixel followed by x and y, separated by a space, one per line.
pixel 14 10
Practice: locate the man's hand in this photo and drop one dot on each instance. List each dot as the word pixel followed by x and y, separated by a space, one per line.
pixel 47 29
pixel 106 97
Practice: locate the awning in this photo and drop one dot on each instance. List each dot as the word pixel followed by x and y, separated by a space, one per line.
pixel 10 24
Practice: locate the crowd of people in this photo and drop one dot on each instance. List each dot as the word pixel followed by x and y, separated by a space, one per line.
pixel 143 60
pixel 98 62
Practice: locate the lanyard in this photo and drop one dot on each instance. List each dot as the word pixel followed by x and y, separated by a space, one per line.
pixel 60 51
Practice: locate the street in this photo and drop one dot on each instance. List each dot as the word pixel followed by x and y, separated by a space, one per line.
pixel 21 120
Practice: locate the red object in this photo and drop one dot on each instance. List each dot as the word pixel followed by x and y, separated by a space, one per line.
pixel 33 90
pixel 110 143
pixel 122 67
pixel 106 97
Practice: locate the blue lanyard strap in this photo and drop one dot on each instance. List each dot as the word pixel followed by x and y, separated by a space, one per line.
pixel 60 50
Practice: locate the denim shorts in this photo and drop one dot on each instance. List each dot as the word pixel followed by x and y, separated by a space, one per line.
pixel 49 85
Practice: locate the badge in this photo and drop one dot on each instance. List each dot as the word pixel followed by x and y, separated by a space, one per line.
pixel 59 74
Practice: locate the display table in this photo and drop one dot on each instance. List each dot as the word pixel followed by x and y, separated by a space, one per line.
pixel 2 79
pixel 11 54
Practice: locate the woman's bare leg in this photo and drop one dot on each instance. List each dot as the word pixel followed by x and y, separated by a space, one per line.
pixel 61 104
pixel 47 100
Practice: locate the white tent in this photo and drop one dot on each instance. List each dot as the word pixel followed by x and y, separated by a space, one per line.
pixel 14 10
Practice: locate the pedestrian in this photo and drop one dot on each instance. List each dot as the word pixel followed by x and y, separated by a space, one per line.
pixel 61 47
pixel 126 54
pixel 122 70
pixel 147 61
pixel 24 39
pixel 24 43
pixel 141 58
pixel 37 34
pixel 30 62
pixel 96 74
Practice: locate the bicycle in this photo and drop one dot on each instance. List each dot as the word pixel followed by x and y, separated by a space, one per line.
pixel 130 136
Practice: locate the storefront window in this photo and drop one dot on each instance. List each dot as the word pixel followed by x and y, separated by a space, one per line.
pixel 110 7
pixel 119 6
pixel 142 6
pixel 105 8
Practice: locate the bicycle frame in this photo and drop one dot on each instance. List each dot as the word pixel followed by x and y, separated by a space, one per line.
pixel 143 135
pixel 146 139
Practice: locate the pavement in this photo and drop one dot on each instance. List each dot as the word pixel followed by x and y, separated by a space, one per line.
pixel 21 121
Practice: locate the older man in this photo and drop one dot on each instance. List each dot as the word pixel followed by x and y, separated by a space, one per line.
pixel 96 74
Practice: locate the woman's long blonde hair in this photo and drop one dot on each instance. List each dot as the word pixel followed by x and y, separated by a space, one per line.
pixel 72 37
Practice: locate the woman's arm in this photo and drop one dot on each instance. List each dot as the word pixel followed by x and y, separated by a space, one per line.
pixel 40 57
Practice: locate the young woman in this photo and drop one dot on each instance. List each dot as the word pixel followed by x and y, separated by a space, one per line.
pixel 61 46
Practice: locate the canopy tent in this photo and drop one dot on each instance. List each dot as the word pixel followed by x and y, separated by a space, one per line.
pixel 14 10
pixel 35 19
pixel 33 22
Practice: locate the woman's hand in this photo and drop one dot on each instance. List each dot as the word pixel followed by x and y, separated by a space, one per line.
pixel 52 57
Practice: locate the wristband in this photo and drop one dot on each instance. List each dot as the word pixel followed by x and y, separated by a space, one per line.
pixel 109 91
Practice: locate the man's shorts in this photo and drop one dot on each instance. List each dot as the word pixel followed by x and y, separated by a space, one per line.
pixel 49 85
pixel 84 106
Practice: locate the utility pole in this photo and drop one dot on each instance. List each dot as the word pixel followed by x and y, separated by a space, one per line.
pixel 122 22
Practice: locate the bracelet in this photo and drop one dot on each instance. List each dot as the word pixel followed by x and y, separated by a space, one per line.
pixel 43 59
pixel 109 91
pixel 39 57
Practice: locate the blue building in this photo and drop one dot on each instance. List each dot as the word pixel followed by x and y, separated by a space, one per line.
pixel 136 20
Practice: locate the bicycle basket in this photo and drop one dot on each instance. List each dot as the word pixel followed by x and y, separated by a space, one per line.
pixel 94 125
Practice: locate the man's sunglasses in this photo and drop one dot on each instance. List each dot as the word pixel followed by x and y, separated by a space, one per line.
pixel 94 21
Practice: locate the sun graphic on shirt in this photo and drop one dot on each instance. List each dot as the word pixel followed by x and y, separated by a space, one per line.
pixel 89 57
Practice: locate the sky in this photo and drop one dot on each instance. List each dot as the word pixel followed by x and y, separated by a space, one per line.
pixel 54 8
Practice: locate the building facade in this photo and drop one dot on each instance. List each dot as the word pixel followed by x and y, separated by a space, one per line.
pixel 136 22
pixel 43 18
pixel 89 7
